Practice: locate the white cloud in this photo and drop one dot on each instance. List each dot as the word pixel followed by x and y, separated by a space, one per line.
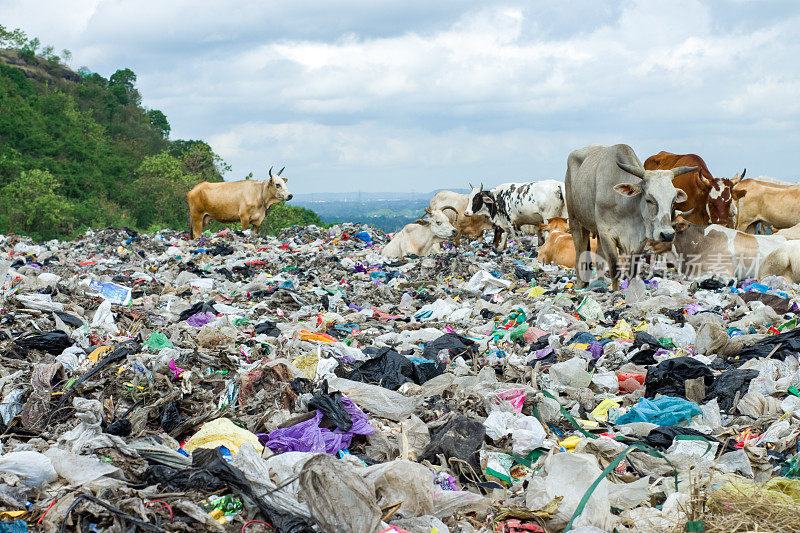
pixel 513 87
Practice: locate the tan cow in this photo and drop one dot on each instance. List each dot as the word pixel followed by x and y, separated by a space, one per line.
pixel 783 261
pixel 245 201
pixel 772 204
pixel 559 248
pixel 421 237
pixel 714 249
pixel 453 205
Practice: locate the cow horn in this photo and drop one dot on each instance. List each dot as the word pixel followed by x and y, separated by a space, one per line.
pixel 684 213
pixel 682 170
pixel 451 208
pixel 270 172
pixel 481 186
pixel 630 169
pixel 703 179
pixel 281 171
pixel 471 186
pixel 739 177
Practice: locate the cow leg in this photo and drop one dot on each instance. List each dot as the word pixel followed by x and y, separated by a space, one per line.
pixel 457 239
pixel 611 256
pixel 580 238
pixel 198 222
pixel 498 234
pixel 245 223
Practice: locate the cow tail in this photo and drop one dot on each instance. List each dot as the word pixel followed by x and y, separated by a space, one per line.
pixel 190 224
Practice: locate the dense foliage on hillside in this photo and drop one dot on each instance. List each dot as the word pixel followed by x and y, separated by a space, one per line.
pixel 78 150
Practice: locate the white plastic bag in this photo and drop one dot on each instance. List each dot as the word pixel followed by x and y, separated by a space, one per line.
pixel 380 402
pixel 33 468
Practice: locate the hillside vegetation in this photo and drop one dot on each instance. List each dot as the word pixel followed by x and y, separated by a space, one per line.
pixel 79 150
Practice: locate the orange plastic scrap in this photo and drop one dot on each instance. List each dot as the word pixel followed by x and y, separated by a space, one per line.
pixel 308 336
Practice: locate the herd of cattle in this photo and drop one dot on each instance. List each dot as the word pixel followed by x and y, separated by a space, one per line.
pixel 609 208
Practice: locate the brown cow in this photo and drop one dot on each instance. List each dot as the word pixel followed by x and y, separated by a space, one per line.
pixel 709 197
pixel 559 247
pixel 771 204
pixel 246 201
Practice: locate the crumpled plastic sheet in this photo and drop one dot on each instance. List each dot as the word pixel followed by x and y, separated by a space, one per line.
pixel 308 436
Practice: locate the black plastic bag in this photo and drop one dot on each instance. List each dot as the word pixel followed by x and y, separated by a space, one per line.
pixel 711 284
pixel 212 462
pixel 170 417
pixel 521 273
pixel 268 328
pixel 458 346
pixel 460 438
pixel 668 377
pixel 662 437
pixel 390 370
pixel 183 480
pixel 199 307
pixel 726 386
pixel 332 407
pixel 789 344
pixel 69 320
pixel 52 342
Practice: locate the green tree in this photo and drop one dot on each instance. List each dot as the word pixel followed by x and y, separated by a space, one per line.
pixel 159 121
pixel 32 204
pixel 159 192
pixel 200 159
pixel 67 55
pixel 15 38
pixel 121 85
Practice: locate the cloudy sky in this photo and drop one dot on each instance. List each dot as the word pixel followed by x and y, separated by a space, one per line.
pixel 385 95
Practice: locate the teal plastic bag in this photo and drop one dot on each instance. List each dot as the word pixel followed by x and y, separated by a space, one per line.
pixel 664 411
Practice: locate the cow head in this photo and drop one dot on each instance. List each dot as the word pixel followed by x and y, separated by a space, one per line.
pixel 440 225
pixel 720 199
pixel 656 198
pixel 278 187
pixel 479 202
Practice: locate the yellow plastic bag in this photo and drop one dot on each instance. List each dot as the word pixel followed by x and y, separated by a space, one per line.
pixel 221 432
pixel 570 442
pixel 307 364
pixel 622 330
pixel 601 411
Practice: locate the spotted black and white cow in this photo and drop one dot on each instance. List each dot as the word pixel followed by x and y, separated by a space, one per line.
pixel 512 205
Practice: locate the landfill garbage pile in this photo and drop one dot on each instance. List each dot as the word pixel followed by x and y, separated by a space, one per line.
pixel 304 383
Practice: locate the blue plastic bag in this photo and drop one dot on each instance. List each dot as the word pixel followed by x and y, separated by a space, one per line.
pixel 664 411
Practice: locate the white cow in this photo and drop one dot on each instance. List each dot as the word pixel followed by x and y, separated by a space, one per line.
pixel 512 205
pixel 421 237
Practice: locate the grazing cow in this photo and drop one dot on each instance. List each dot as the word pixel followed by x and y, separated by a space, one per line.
pixel 421 237
pixel 454 205
pixel 708 198
pixel 771 204
pixel 715 249
pixel 511 205
pixel 782 261
pixel 791 234
pixel 246 201
pixel 625 215
pixel 559 247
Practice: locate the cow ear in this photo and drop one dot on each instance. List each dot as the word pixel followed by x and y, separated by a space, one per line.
pixel 737 195
pixel 680 197
pixel 628 189
pixel 284 179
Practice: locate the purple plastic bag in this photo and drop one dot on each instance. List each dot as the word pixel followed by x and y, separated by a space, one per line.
pixel 201 319
pixel 309 437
